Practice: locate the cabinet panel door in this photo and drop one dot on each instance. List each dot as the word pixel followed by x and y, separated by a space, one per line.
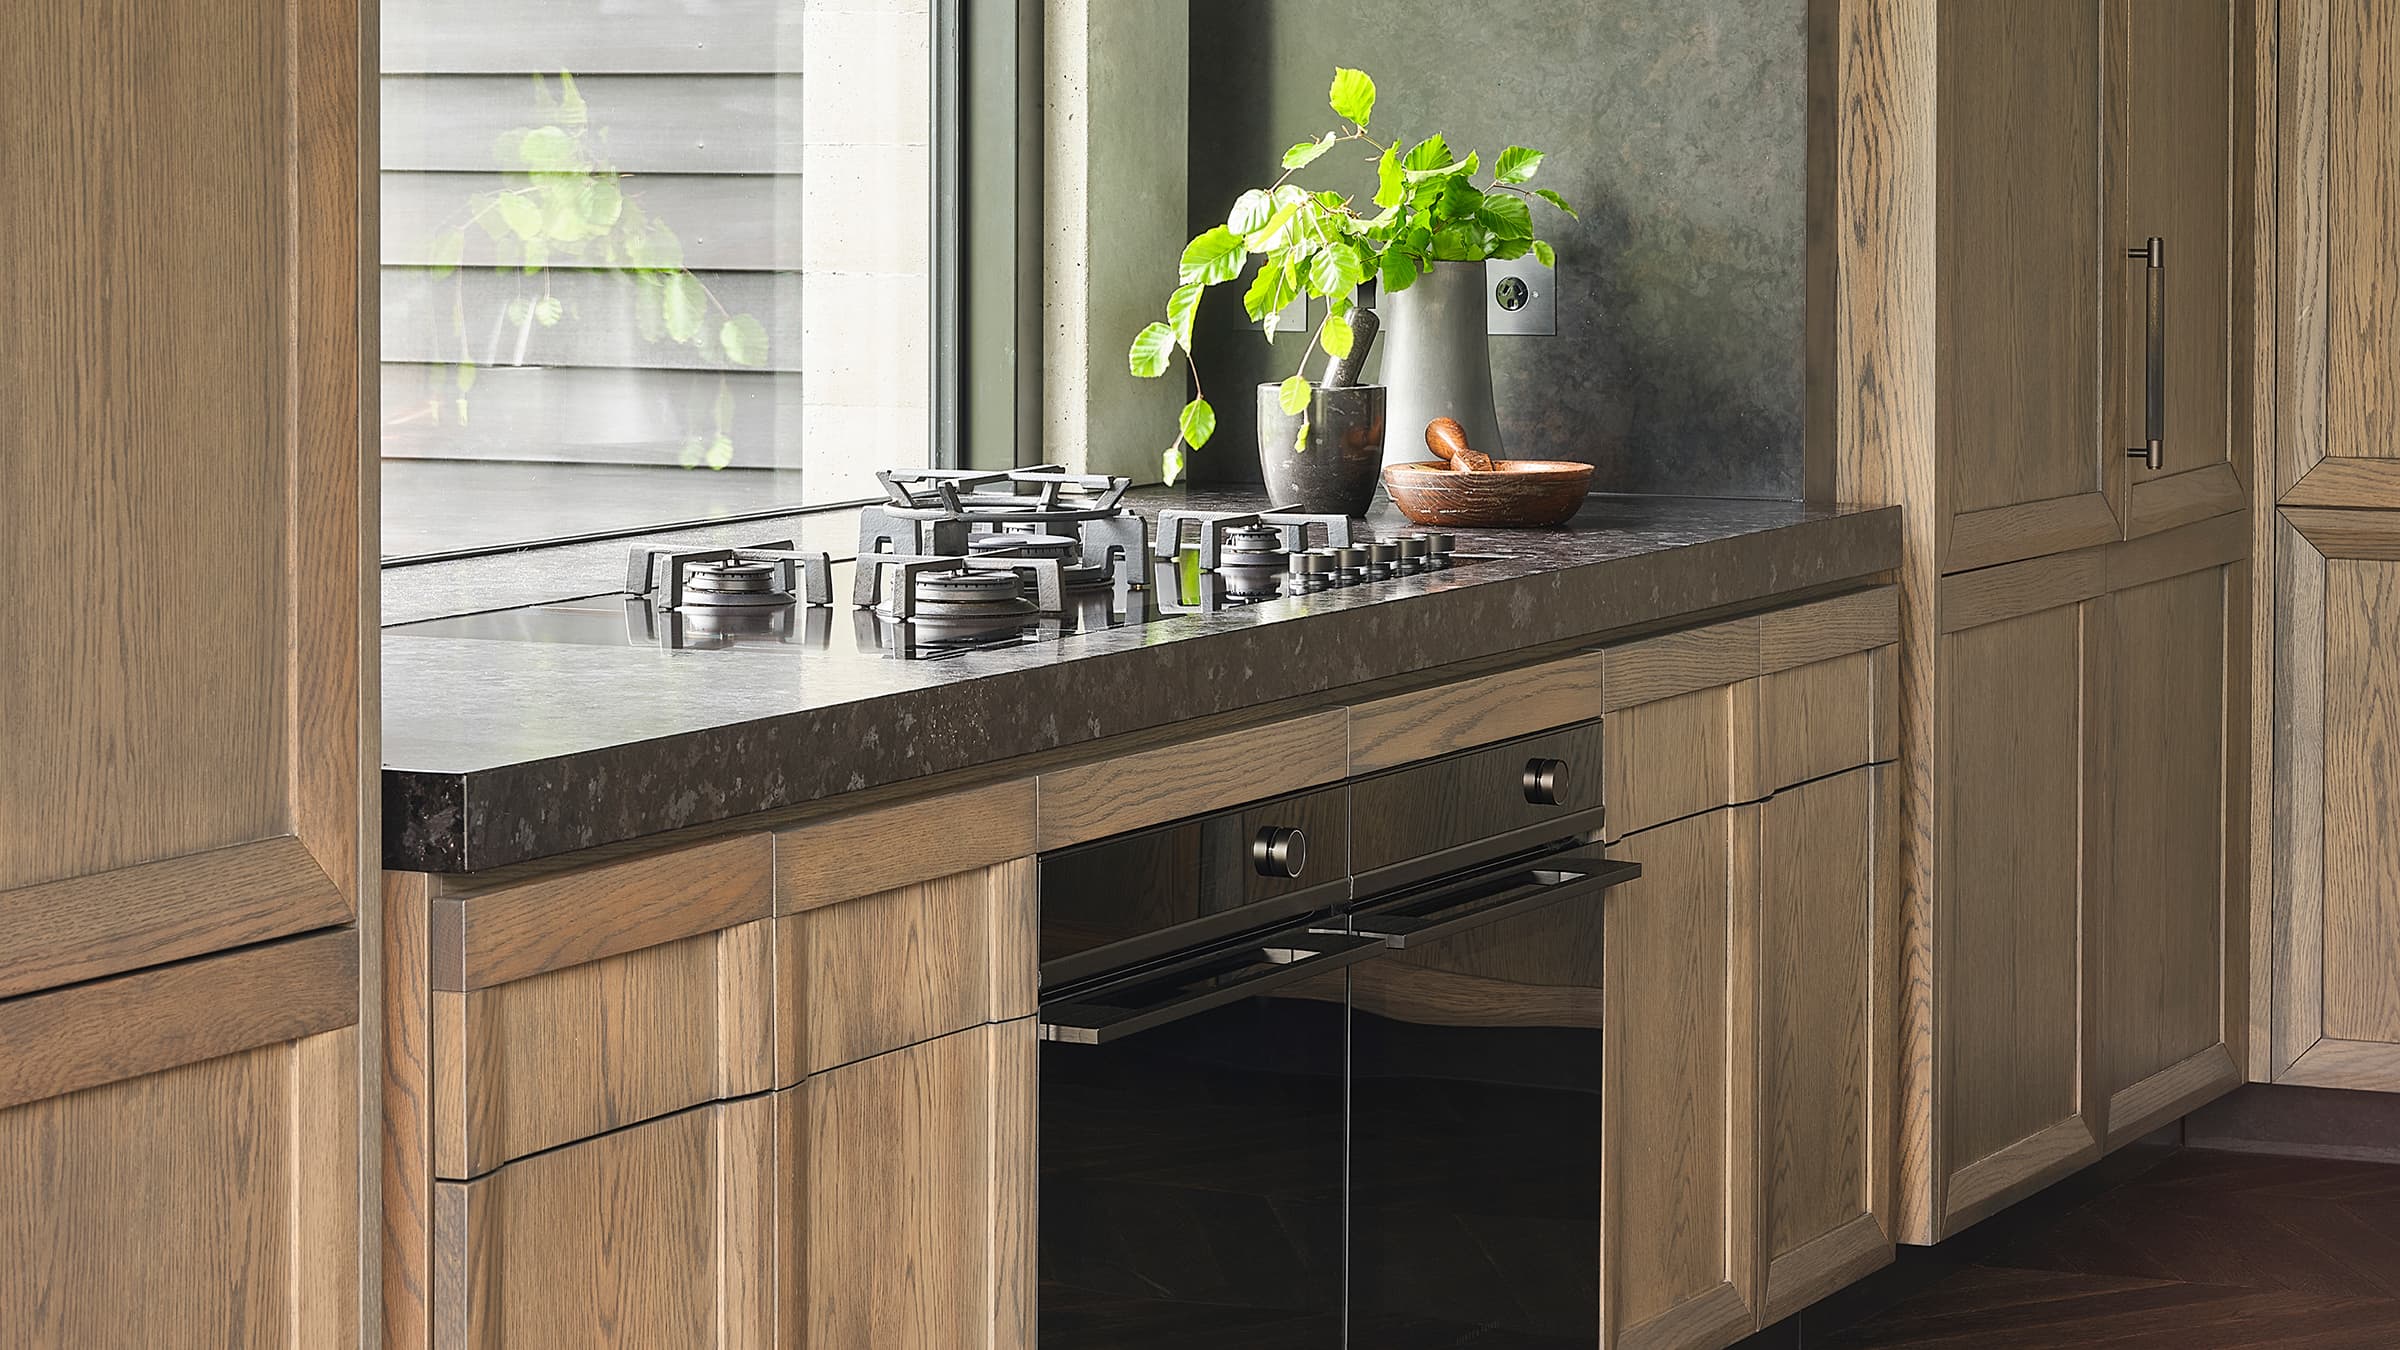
pixel 906 1197
pixel 2178 76
pixel 1678 1097
pixel 211 1205
pixel 2336 1003
pixel 2018 259
pixel 2162 1012
pixel 657 1237
pixel 2011 916
pixel 1826 1036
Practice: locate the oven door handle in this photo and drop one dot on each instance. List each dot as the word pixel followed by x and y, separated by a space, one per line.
pixel 1077 1022
pixel 1554 879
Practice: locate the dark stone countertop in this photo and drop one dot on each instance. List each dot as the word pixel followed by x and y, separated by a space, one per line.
pixel 499 752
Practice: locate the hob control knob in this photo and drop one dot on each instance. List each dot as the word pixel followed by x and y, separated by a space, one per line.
pixel 1279 851
pixel 1545 781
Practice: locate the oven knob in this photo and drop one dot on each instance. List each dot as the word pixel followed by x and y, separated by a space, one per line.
pixel 1545 781
pixel 1279 851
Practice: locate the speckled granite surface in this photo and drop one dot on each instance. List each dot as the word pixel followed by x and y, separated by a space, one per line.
pixel 497 752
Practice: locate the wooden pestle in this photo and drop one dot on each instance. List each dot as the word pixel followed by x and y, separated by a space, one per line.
pixel 1448 440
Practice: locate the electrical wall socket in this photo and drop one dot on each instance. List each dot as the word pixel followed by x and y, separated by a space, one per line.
pixel 1521 297
pixel 1292 319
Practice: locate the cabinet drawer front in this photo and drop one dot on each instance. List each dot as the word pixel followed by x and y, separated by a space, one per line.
pixel 1466 713
pixel 1139 788
pixel 1417 812
pixel 1680 756
pixel 868 976
pixel 1815 720
pixel 660 1235
pixel 535 1063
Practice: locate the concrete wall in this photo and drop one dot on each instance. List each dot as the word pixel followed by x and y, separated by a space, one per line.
pixel 1677 127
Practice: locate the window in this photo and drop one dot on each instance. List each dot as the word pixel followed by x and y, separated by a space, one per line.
pixel 651 261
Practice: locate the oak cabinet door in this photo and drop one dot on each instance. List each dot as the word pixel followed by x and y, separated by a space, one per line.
pixel 2164 1018
pixel 657 1237
pixel 1678 1180
pixel 1826 1007
pixel 2336 957
pixel 905 1197
pixel 2019 267
pixel 2176 167
pixel 2012 909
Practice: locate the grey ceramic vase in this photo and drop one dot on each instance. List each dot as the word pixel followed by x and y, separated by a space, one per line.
pixel 1437 361
pixel 1342 465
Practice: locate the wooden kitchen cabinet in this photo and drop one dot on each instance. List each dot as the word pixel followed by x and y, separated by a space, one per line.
pixel 905 1194
pixel 1679 1183
pixel 1827 874
pixel 656 1237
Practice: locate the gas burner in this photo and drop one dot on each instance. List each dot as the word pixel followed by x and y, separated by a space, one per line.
pixel 1216 530
pixel 1252 560
pixel 729 578
pixel 950 512
pixel 956 592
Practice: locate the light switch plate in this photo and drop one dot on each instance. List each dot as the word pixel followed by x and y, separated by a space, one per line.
pixel 1294 318
pixel 1521 297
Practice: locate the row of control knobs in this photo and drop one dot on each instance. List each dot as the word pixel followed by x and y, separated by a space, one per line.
pixel 1377 560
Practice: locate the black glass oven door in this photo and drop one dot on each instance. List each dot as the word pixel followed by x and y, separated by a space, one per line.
pixel 1475 1172
pixel 1192 1137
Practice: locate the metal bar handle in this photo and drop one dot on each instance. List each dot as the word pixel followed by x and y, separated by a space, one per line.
pixel 1557 879
pixel 2154 348
pixel 1085 1023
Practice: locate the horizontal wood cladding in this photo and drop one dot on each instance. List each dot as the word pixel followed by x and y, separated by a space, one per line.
pixel 129 1025
pixel 1087 801
pixel 872 975
pixel 1821 630
pixel 883 847
pixel 1422 723
pixel 556 1057
pixel 1648 669
pixel 1994 594
pixel 80 928
pixel 483 937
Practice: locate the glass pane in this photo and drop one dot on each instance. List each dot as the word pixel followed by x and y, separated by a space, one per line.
pixel 649 261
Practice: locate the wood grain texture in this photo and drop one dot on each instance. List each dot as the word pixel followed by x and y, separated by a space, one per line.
pixel 485 934
pixel 2348 482
pixel 2361 536
pixel 183 332
pixel 209 1205
pixel 1460 715
pixel 1815 720
pixel 130 1025
pixel 2303 134
pixel 2173 553
pixel 1996 594
pixel 904 1219
pixel 1884 670
pixel 2362 187
pixel 1824 1265
pixel 2260 355
pixel 2019 240
pixel 544 1061
pixel 81 928
pixel 1648 669
pixel 2013 890
pixel 2016 1170
pixel 2170 1094
pixel 1820 630
pixel 2177 183
pixel 2162 912
pixel 2362 841
pixel 872 975
pixel 2369 1066
pixel 405 1188
pixel 1819 1094
pixel 1679 1183
pixel 1887 343
pixel 885 847
pixel 1147 787
pixel 1679 756
pixel 659 1235
pixel 2298 746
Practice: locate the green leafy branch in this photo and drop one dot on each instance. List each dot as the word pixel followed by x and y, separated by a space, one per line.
pixel 563 203
pixel 1429 210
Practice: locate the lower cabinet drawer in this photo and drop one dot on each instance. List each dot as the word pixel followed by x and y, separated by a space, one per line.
pixel 539 1062
pixel 1820 719
pixel 905 1196
pixel 659 1236
pixel 1679 756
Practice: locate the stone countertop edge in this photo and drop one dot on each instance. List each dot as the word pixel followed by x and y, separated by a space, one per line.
pixel 479 819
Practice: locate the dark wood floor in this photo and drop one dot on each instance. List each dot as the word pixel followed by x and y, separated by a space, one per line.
pixel 2176 1247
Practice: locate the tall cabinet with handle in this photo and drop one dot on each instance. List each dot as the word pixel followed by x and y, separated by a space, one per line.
pixel 2044 350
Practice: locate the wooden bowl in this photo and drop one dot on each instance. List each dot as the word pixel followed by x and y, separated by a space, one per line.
pixel 1513 493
